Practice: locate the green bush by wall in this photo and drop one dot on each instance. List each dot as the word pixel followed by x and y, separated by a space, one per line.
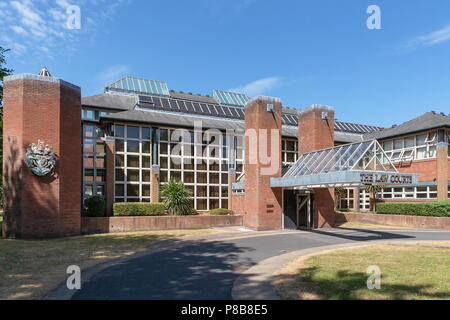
pixel 221 212
pixel 431 209
pixel 138 209
pixel 94 206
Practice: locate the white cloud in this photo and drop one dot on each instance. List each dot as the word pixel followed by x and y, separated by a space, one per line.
pixel 19 30
pixel 113 73
pixel 430 39
pixel 258 87
pixel 42 23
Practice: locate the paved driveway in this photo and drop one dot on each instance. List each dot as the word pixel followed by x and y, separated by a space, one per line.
pixel 196 269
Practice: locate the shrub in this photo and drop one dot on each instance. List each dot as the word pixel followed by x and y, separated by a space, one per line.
pixel 221 212
pixel 432 209
pixel 94 206
pixel 176 198
pixel 138 209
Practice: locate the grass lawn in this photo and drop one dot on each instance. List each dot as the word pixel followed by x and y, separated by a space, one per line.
pixel 415 271
pixel 30 269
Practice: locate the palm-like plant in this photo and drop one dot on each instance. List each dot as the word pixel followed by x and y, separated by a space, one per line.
pixel 338 194
pixel 372 190
pixel 176 198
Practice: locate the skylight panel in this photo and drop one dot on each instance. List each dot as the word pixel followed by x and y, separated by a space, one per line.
pixel 137 85
pixel 230 98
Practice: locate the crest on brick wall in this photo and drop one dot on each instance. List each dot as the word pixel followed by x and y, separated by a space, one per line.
pixel 40 159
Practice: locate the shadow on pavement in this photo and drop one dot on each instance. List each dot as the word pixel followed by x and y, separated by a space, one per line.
pixel 362 235
pixel 200 270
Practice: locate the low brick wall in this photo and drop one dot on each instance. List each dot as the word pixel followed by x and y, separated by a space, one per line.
pixel 130 224
pixel 396 220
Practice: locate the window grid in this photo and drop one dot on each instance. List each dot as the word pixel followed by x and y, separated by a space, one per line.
pixel 414 147
pixel 289 152
pixel 94 173
pixel 132 163
pixel 203 167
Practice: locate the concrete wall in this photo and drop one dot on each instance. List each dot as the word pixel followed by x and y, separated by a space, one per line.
pixel 130 224
pixel 396 220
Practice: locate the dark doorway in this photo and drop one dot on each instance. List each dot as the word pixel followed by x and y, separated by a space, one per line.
pixel 298 209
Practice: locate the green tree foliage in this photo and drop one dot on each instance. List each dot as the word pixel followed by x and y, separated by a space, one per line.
pixel 176 198
pixel 3 73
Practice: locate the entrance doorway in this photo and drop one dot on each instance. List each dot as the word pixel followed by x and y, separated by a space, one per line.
pixel 303 210
pixel 298 209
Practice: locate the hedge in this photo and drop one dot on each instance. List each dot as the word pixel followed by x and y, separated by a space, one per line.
pixel 431 209
pixel 94 206
pixel 138 209
pixel 221 212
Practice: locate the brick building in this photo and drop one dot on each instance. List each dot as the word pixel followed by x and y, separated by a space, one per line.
pixel 138 134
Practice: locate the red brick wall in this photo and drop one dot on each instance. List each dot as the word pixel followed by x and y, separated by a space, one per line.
pixel 426 169
pixel 263 208
pixel 324 215
pixel 41 206
pixel 131 224
pixel 110 174
pixel 396 220
pixel 314 133
pixel 238 203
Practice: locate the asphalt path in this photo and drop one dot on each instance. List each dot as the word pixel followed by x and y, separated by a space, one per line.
pixel 200 269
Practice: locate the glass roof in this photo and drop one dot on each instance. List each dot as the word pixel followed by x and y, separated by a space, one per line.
pixel 366 155
pixel 225 97
pixel 140 85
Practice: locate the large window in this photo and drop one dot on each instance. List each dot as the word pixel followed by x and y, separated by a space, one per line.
pixel 94 173
pixel 132 163
pixel 200 160
pixel 414 147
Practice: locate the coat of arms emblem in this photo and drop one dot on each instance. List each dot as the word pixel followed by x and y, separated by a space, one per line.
pixel 40 159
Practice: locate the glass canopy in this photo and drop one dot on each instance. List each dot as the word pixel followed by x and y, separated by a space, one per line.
pixel 366 155
pixel 225 97
pixel 138 85
pixel 349 165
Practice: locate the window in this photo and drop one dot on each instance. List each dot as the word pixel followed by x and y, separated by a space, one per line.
pixel 415 147
pixel 133 163
pixel 289 153
pixel 93 161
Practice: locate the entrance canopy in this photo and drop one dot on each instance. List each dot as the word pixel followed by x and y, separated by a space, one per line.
pixel 347 165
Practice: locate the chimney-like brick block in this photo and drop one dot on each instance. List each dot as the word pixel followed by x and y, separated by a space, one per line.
pixel 155 183
pixel 110 175
pixel 231 180
pixel 263 204
pixel 442 171
pixel 315 132
pixel 46 109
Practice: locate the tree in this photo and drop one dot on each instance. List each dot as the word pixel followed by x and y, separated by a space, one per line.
pixel 339 193
pixel 176 198
pixel 372 190
pixel 3 73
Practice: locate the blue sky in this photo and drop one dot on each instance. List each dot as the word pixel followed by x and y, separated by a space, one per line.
pixel 302 51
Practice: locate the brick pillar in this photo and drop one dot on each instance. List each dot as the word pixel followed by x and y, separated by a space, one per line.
pixel 356 199
pixel 231 180
pixel 110 167
pixel 315 132
pixel 47 109
pixel 155 183
pixel 442 171
pixel 263 209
